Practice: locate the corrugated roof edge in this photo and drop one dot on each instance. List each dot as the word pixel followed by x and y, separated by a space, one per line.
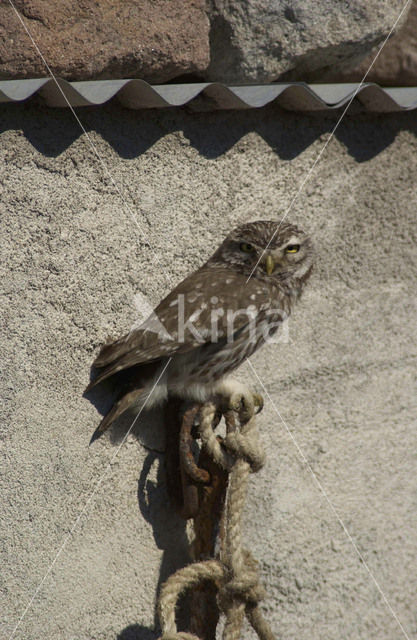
pixel 138 94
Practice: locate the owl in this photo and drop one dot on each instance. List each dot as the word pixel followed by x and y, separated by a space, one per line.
pixel 211 322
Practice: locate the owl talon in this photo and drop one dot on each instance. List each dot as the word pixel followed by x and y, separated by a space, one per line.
pixel 258 402
pixel 244 404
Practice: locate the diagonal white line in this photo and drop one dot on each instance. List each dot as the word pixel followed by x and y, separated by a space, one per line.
pixel 329 502
pixel 92 145
pixel 317 160
pixel 85 507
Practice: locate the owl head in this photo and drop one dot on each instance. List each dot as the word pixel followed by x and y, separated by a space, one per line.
pixel 268 250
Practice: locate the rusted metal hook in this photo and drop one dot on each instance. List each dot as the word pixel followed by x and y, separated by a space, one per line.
pixel 185 476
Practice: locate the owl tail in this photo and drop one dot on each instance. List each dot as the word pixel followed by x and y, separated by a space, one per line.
pixel 118 408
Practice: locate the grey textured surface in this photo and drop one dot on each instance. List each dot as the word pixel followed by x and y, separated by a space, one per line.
pixel 73 262
pixel 208 96
pixel 397 64
pixel 267 40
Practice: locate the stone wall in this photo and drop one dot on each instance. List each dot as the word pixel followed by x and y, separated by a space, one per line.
pixel 397 64
pixel 228 41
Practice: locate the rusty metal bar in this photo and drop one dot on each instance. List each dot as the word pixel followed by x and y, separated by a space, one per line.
pixel 198 490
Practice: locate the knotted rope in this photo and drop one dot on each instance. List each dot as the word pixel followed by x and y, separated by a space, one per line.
pixel 235 572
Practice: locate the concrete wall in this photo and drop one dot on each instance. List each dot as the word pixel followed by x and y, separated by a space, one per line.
pixel 344 382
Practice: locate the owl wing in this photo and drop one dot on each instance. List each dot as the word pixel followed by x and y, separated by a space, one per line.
pixel 183 320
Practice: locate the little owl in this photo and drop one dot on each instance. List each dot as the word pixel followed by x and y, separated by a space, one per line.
pixel 211 322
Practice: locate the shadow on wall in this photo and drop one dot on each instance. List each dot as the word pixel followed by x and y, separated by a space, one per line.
pixel 137 632
pixel 131 133
pixel 169 531
pixel 168 528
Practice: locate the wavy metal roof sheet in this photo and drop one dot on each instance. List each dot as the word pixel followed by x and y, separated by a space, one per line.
pixel 138 94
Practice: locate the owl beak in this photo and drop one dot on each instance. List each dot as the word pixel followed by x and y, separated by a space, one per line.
pixel 269 264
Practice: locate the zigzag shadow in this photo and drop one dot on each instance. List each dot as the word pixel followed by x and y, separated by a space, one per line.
pixel 131 133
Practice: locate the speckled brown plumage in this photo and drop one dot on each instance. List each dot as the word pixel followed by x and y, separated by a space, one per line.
pixel 230 306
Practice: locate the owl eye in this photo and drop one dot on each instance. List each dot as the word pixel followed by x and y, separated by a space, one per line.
pixel 246 247
pixel 292 248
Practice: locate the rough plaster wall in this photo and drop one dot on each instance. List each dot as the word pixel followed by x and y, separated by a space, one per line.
pixel 72 263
